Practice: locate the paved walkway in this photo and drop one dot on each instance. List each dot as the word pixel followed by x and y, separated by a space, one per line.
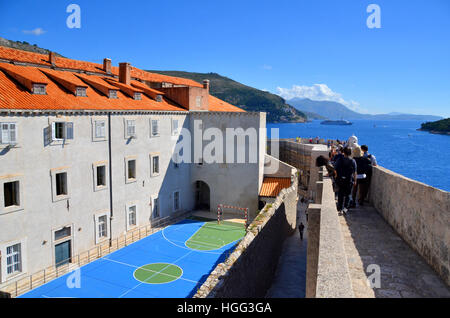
pixel 369 240
pixel 290 277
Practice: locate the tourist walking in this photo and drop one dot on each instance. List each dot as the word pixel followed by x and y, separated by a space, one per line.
pixel 372 158
pixel 363 173
pixel 345 177
pixel 300 229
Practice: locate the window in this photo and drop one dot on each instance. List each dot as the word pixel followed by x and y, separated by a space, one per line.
pixel 130 170
pixel 62 233
pixel 154 127
pixel 100 129
pixel 102 226
pixel 14 259
pixel 101 176
pixel 112 93
pixel 101 220
pixel 62 130
pixel 8 133
pixel 176 201
pixel 175 128
pixel 198 101
pixel 39 89
pixel 11 194
pixel 155 165
pixel 155 208
pixel 131 217
pixel 61 183
pixel 130 128
pixel 137 96
pixel 80 91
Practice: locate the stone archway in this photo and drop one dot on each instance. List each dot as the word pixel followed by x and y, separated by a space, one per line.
pixel 202 196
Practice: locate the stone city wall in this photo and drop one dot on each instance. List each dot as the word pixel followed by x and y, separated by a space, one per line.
pixel 419 213
pixel 248 271
pixel 327 271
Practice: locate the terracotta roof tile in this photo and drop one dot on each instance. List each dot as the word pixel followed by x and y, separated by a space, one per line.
pixel 272 186
pixel 14 96
pixel 218 105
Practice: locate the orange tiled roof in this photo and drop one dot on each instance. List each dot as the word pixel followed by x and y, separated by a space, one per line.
pixel 272 186
pixel 13 95
pixel 61 62
pixel 218 105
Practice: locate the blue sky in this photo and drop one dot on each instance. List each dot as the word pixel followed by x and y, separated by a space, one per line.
pixel 321 49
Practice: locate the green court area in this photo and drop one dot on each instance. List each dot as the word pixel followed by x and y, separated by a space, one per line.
pixel 212 236
pixel 158 273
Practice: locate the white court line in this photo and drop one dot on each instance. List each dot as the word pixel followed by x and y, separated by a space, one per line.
pixel 114 261
pixel 153 275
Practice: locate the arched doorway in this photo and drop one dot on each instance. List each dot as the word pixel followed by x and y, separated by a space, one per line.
pixel 202 196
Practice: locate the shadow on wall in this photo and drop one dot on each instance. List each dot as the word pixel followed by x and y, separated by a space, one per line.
pixel 252 274
pixel 221 258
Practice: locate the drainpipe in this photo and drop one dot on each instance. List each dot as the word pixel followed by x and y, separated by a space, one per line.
pixel 110 180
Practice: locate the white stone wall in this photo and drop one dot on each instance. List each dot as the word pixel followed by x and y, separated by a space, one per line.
pixel 32 161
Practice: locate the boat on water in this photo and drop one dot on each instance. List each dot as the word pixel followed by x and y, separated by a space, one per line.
pixel 336 122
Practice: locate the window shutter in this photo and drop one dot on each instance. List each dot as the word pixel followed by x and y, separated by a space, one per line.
pixel 69 130
pixel 103 129
pixel 12 134
pixel 4 136
pixel 131 128
pixel 53 131
pixel 100 129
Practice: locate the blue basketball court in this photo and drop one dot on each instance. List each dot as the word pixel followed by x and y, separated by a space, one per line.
pixel 160 265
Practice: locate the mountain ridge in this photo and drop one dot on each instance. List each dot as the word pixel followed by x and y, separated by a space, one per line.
pixel 244 96
pixel 335 111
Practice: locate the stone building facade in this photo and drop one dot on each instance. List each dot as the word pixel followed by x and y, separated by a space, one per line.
pixel 87 153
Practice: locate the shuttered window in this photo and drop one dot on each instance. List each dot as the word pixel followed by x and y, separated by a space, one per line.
pixel 100 129
pixel 130 128
pixel 13 259
pixel 175 128
pixel 8 134
pixel 154 124
pixel 62 130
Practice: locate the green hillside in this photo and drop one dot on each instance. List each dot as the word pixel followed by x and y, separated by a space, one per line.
pixel 246 97
pixel 440 126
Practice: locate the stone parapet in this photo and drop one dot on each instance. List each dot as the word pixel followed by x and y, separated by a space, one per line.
pixel 327 272
pixel 419 213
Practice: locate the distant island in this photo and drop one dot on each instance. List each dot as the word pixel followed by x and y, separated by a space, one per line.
pixel 437 127
pixel 336 111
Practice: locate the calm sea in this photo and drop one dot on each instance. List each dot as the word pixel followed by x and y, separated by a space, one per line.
pixel 397 145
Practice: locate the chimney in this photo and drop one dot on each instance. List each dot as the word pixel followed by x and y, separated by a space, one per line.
pixel 52 57
pixel 125 73
pixel 206 85
pixel 107 65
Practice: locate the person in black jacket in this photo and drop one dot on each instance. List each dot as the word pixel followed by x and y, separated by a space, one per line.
pixel 364 172
pixel 345 178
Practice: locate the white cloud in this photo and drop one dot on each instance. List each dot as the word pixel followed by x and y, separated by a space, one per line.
pixel 37 31
pixel 319 92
